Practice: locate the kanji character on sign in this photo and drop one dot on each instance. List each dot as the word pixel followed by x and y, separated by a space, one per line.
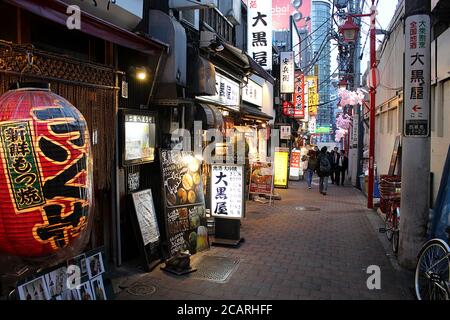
pixel 220 178
pixel 260 17
pixel 259 39
pixel 416 58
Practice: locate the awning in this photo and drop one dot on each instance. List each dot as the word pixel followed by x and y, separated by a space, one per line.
pixel 210 116
pixel 55 11
pixel 254 113
pixel 246 62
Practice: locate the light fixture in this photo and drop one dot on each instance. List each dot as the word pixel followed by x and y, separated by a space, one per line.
pixel 349 30
pixel 225 113
pixel 217 45
pixel 141 73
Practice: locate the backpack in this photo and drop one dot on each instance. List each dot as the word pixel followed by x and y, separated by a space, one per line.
pixel 325 165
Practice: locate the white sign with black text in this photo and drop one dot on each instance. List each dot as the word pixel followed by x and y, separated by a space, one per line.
pixel 260 32
pixel 228 93
pixel 227 191
pixel 417 76
pixel 285 132
pixel 253 93
pixel 287 70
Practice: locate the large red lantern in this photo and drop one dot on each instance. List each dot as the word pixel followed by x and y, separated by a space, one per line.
pixel 45 173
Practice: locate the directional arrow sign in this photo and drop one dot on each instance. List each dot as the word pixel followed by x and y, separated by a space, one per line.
pixel 416 108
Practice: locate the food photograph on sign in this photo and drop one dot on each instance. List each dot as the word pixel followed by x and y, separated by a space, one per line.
pixel 261 178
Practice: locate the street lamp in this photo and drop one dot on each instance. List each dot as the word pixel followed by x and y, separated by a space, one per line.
pixel 349 30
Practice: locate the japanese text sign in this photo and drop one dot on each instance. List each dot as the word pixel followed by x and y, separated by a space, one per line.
pixel 287 70
pixel 228 93
pixel 227 191
pixel 260 32
pixel 261 178
pixel 299 95
pixel 417 76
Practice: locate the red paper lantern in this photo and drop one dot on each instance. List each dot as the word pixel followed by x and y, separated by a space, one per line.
pixel 45 173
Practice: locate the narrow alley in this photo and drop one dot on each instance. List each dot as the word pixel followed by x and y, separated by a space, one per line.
pixel 307 246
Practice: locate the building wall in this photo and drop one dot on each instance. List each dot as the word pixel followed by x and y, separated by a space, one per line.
pixel 389 119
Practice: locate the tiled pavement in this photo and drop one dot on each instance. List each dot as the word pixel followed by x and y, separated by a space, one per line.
pixel 292 254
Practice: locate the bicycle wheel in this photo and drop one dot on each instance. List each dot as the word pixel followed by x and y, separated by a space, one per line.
pixel 432 272
pixel 395 231
pixel 388 223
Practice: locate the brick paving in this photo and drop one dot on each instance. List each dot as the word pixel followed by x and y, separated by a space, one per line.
pixel 294 255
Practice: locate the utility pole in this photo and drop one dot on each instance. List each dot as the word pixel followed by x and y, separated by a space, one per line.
pixel 416 131
pixel 373 66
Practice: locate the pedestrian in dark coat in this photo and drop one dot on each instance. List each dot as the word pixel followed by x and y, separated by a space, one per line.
pixel 323 170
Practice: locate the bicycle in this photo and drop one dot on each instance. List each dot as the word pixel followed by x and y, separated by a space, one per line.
pixel 391 192
pixel 432 278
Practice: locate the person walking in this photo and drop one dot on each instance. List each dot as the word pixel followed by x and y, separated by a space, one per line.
pixel 342 168
pixel 312 166
pixel 323 170
pixel 334 166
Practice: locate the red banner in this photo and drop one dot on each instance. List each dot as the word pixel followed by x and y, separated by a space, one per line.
pixel 299 95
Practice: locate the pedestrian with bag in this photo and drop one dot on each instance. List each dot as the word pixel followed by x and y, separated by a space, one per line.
pixel 342 166
pixel 312 165
pixel 323 170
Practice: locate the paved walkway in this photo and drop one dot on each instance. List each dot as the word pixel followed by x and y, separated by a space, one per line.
pixel 295 254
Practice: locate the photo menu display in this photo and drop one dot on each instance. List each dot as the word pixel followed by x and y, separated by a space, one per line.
pixel 184 202
pixel 53 284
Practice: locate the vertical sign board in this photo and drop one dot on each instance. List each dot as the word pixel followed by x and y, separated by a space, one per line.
pixel 313 97
pixel 185 212
pixel 312 128
pixel 227 191
pixel 259 22
pixel 287 70
pixel 417 76
pixel 299 95
pixel 281 168
pixel 285 132
pixel 355 128
pixel 295 165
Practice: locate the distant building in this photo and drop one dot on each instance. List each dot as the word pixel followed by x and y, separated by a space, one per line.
pixel 321 24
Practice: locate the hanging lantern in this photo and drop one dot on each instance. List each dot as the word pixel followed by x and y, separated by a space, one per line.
pixel 349 30
pixel 45 172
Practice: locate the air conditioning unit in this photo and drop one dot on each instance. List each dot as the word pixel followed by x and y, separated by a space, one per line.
pixel 192 4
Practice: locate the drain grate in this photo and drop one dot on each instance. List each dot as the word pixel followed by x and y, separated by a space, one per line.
pixel 307 209
pixel 217 269
pixel 141 290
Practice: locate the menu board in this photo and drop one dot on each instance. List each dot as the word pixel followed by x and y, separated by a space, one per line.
pixel 227 191
pixel 281 167
pixel 184 202
pixel 295 168
pixel 146 216
pixel 261 178
pixel 139 138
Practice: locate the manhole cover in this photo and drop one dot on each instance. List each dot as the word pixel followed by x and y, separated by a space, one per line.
pixel 218 269
pixel 141 290
pixel 307 209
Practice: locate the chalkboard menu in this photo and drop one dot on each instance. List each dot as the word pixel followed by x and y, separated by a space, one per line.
pixel 184 202
pixel 146 216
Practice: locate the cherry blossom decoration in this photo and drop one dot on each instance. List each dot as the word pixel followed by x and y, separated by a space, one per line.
pixel 351 98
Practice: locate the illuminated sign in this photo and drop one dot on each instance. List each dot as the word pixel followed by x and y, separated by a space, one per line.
pixel 46 173
pixel 281 168
pixel 313 96
pixel 227 191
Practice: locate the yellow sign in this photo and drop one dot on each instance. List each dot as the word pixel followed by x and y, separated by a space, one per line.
pixel 313 96
pixel 281 167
